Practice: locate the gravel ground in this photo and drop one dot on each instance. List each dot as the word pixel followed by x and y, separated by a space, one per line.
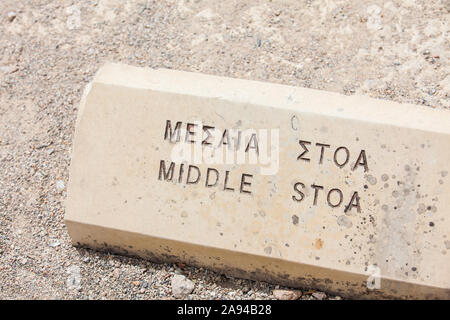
pixel 50 50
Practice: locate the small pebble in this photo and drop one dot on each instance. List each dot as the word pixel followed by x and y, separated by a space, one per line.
pixel 181 286
pixel 11 16
pixel 60 185
pixel 281 294
pixel 54 243
pixel 319 295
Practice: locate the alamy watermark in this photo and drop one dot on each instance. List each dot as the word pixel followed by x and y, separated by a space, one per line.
pixel 197 143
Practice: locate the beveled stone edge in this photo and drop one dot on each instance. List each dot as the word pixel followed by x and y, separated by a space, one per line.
pixel 344 283
pixel 278 96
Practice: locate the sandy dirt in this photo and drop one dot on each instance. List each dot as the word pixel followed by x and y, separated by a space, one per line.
pixel 50 50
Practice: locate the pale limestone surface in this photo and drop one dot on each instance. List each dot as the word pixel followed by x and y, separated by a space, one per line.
pixel 398 168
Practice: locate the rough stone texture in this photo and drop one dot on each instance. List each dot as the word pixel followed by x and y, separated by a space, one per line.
pixel 397 52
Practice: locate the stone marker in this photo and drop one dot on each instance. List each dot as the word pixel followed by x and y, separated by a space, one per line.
pixel 294 186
